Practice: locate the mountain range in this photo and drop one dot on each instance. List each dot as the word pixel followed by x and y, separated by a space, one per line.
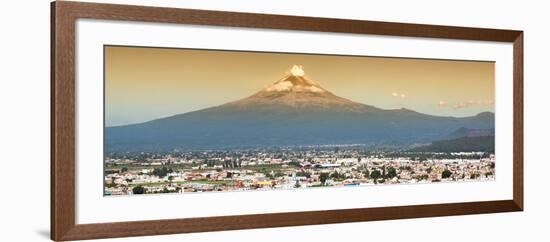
pixel 293 111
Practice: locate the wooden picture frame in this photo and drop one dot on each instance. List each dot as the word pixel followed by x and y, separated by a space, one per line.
pixel 63 17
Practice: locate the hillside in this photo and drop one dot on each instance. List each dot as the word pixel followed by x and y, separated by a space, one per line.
pixel 464 144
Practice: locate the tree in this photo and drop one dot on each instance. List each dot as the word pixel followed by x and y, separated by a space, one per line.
pixel 111 184
pixel 124 169
pixel 297 184
pixel 161 172
pixel 303 173
pixel 391 172
pixel 375 175
pixel 366 173
pixel 323 178
pixel 446 174
pixel 138 190
pixel 279 174
pixel 422 177
pixel 429 170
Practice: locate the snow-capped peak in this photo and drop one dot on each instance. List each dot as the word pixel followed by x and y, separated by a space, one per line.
pixel 297 70
pixel 295 80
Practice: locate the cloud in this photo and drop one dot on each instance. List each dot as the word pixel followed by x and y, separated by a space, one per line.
pixel 459 106
pixel 399 95
pixel 466 104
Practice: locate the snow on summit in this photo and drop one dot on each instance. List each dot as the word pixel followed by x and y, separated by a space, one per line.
pixel 297 70
pixel 296 91
pixel 295 80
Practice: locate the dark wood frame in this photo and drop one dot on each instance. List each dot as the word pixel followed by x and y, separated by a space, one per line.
pixel 63 17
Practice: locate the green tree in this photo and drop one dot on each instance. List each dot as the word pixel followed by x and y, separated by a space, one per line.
pixel 162 171
pixel 279 174
pixel 429 170
pixel 297 184
pixel 446 174
pixel 391 172
pixel 375 175
pixel 138 190
pixel 323 178
pixel 303 173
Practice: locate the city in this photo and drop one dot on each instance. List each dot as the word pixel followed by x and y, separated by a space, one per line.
pixel 287 168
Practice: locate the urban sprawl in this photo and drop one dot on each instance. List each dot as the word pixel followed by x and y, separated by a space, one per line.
pixel 209 171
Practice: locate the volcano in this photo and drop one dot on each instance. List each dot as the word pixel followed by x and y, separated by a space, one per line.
pixel 297 92
pixel 293 111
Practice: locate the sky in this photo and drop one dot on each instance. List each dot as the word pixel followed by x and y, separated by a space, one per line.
pixel 143 84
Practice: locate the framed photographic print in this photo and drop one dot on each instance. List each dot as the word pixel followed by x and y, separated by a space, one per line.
pixel 172 120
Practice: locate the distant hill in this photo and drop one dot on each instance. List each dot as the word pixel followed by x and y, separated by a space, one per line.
pixel 465 132
pixel 292 111
pixel 464 144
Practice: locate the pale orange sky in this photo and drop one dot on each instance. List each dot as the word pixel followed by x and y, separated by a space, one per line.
pixel 142 84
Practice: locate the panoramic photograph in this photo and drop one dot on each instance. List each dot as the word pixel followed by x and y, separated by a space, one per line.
pixel 193 120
